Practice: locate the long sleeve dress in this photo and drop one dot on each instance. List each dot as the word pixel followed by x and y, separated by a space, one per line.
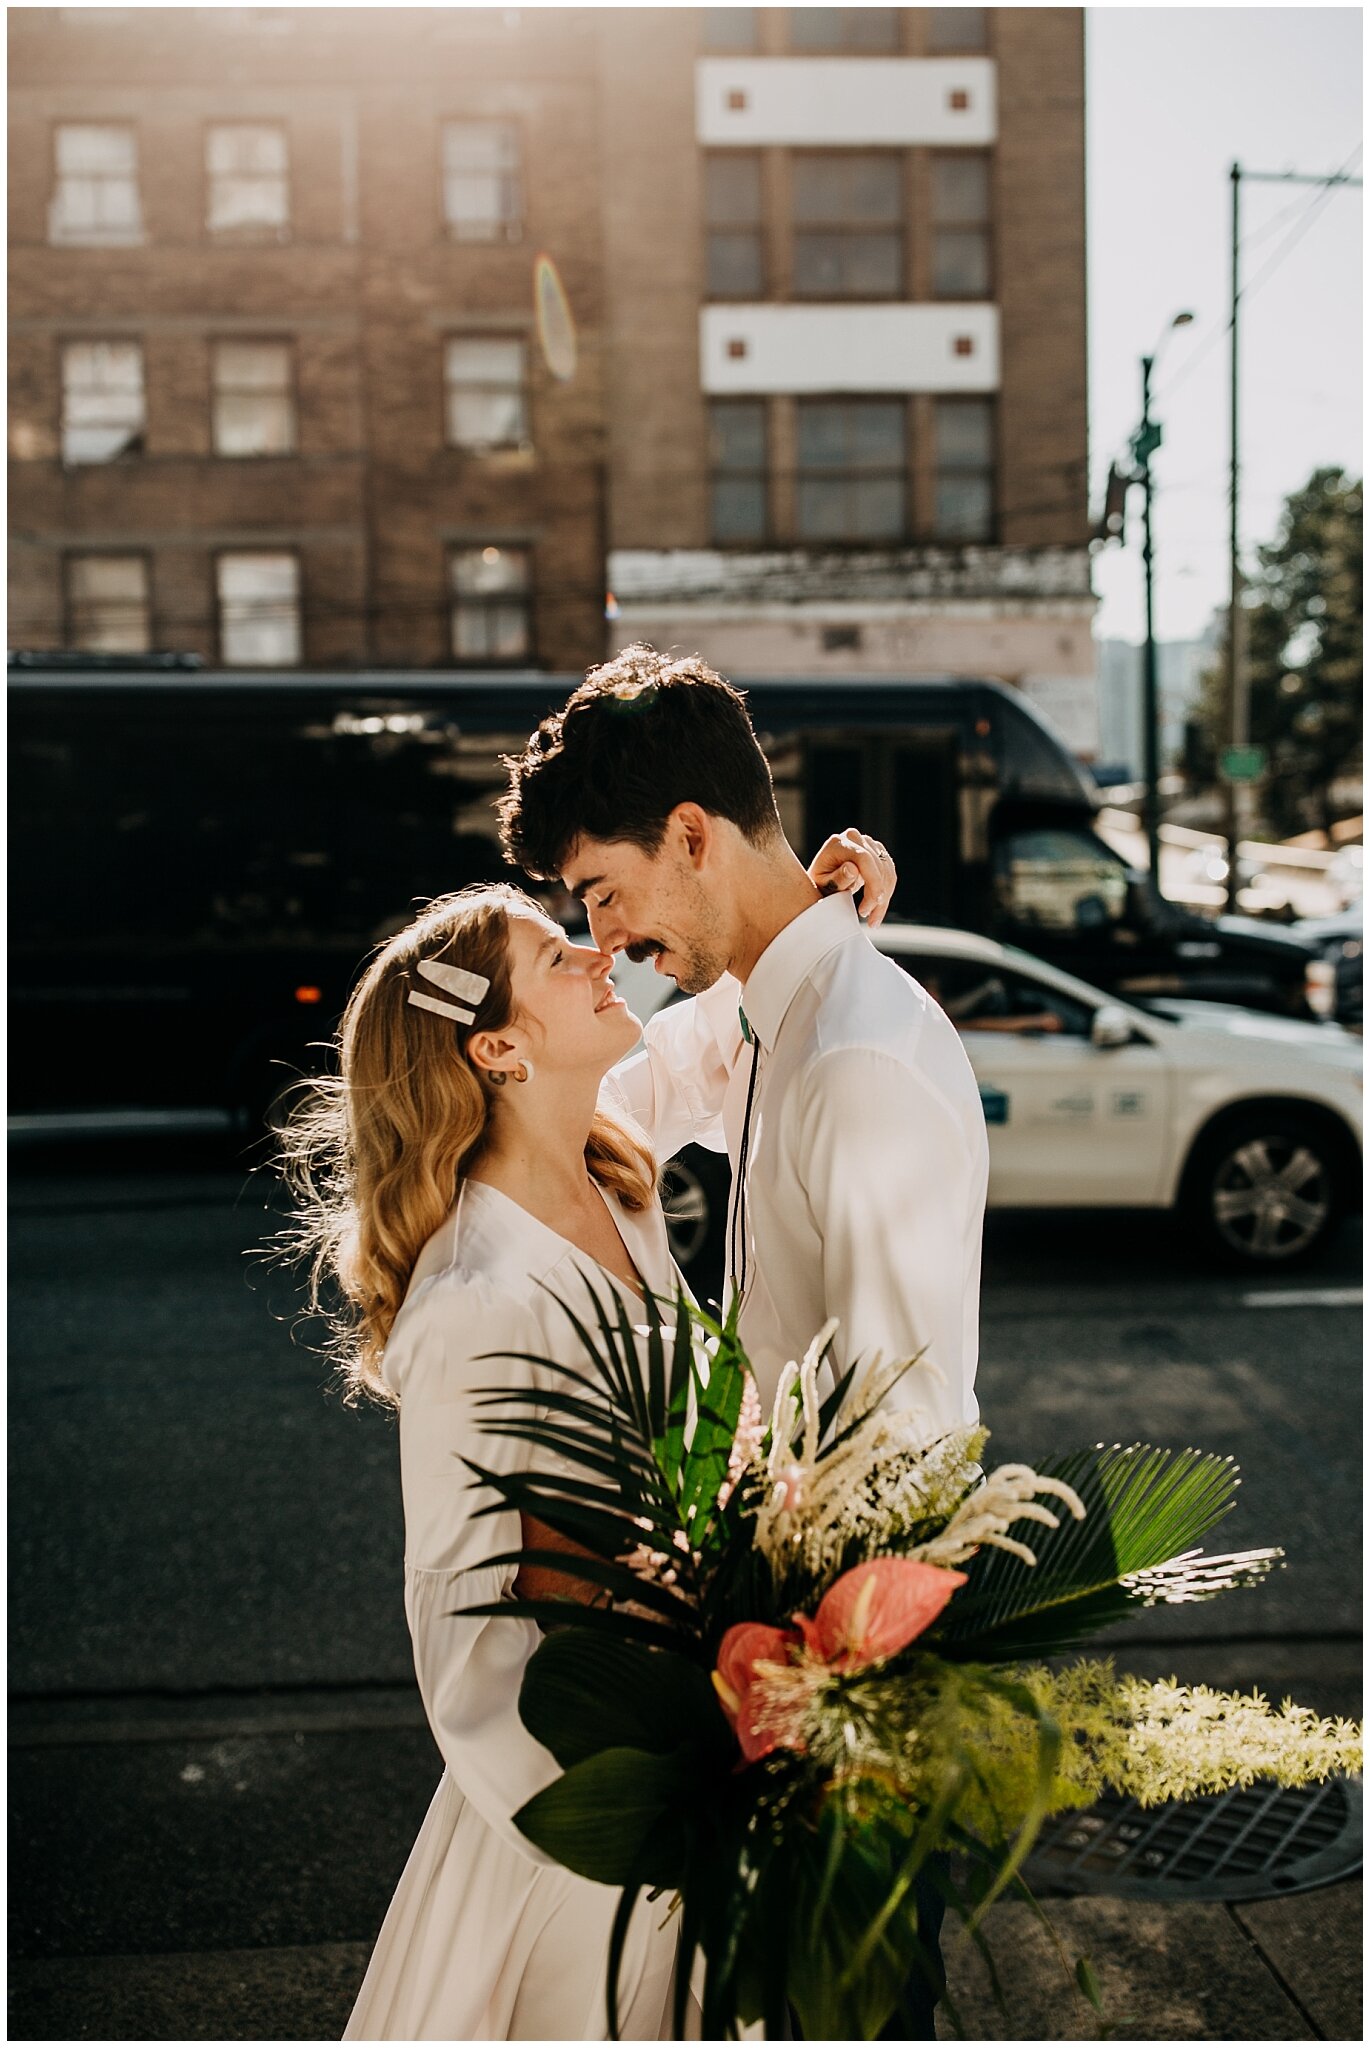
pixel 485 1939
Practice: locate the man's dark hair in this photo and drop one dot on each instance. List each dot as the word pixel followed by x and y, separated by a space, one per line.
pixel 642 734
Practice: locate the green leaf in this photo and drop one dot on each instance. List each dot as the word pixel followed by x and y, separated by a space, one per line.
pixel 609 1621
pixel 1089 1983
pixel 617 1816
pixel 581 1694
pixel 615 1579
pixel 1144 1508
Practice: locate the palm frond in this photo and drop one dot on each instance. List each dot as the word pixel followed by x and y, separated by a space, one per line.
pixel 613 1621
pixel 607 1533
pixel 1145 1508
pixel 617 1579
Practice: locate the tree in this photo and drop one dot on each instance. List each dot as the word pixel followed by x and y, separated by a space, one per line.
pixel 1303 655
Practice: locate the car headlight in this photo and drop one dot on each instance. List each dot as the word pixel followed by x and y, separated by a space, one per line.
pixel 1320 987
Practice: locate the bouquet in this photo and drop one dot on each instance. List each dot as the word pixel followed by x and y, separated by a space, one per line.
pixel 802 1655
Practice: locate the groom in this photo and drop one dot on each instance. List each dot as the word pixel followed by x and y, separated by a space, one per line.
pixel 839 1089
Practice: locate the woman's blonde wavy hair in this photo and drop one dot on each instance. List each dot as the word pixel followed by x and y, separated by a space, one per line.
pixel 374 1154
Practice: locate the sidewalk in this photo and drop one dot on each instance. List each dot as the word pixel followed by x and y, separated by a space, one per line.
pixel 1280 1970
pixel 217 1870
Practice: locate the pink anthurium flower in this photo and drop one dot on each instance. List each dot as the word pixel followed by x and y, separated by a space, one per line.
pixel 872 1612
pixel 877 1609
pixel 744 1646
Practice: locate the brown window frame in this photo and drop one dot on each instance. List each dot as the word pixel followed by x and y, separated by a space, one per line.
pixel 983 227
pixel 719 474
pixel 850 230
pixel 231 553
pixel 509 232
pixel 528 657
pixel 289 344
pixel 903 470
pixel 990 538
pixel 70 557
pixel 258 234
pixel 755 228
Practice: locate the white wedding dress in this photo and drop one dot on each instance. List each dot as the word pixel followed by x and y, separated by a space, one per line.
pixel 486 1940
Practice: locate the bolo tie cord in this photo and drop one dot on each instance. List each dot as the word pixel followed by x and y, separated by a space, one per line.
pixel 738 1237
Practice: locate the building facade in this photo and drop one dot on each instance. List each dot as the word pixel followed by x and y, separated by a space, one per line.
pixel 427 337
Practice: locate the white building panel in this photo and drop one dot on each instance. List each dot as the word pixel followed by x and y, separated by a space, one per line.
pixel 858 102
pixel 754 350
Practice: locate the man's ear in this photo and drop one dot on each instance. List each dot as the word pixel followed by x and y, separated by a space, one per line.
pixel 695 829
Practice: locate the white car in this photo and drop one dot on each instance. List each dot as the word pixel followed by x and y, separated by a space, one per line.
pixel 1248 1125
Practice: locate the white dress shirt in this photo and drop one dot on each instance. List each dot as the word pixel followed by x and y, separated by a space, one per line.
pixel 867 1154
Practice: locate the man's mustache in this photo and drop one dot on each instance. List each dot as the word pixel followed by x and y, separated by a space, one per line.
pixel 644 949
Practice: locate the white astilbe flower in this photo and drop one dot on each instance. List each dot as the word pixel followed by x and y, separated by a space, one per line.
pixel 1005 1497
pixel 885 1476
pixel 1184 1741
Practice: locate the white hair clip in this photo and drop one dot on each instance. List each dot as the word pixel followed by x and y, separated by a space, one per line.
pixel 458 981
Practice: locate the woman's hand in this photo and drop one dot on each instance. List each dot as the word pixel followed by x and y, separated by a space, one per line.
pixel 850 861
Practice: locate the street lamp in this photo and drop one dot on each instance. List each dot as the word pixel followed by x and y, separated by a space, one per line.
pixel 1145 442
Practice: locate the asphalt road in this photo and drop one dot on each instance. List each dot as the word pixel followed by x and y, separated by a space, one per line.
pixel 216 1745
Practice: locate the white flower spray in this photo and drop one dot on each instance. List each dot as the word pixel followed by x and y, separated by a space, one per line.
pixel 888 1474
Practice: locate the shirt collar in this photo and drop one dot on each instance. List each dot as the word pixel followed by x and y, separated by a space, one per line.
pixel 790 958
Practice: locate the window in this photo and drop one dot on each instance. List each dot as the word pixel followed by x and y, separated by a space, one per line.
pixel 732 199
pixel 491 604
pixel 848 225
pixel 254 402
pixel 259 610
pixel 965 468
pixel 730 28
pixel 852 464
pixel 737 490
pixel 844 28
pixel 487 392
pixel 107 604
pixel 247 174
pixel 96 195
pixel 980 996
pixel 482 189
pixel 960 218
pixel 102 400
pixel 958 29
pixel 1051 879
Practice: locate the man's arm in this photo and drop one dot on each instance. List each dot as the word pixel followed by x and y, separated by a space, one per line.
pixel 894 1170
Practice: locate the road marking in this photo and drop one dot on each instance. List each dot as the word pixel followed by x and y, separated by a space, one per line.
pixel 1308 1297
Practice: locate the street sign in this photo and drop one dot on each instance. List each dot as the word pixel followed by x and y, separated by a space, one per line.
pixel 1243 764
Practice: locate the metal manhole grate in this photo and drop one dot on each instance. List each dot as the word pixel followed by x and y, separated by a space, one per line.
pixel 1255 1843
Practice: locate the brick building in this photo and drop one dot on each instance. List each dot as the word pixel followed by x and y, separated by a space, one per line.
pixel 290 384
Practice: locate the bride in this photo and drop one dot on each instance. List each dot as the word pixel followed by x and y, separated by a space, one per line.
pixel 458 1173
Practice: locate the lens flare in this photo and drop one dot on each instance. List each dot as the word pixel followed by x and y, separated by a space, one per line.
pixel 556 325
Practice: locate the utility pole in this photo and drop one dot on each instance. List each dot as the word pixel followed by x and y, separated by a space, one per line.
pixel 1151 744
pixel 1238 695
pixel 1238 679
pixel 1145 442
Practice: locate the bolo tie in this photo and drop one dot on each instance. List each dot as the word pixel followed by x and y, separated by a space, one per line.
pixel 737 1235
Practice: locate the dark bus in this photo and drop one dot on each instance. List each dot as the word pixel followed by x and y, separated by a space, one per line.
pixel 201 860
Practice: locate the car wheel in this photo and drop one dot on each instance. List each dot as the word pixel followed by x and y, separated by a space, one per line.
pixel 1263 1188
pixel 694 1194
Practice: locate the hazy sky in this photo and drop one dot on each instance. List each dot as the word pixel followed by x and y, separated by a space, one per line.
pixel 1175 95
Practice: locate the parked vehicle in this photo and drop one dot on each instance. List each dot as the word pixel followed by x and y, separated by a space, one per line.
pixel 1247 1126
pixel 1341 941
pixel 202 859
